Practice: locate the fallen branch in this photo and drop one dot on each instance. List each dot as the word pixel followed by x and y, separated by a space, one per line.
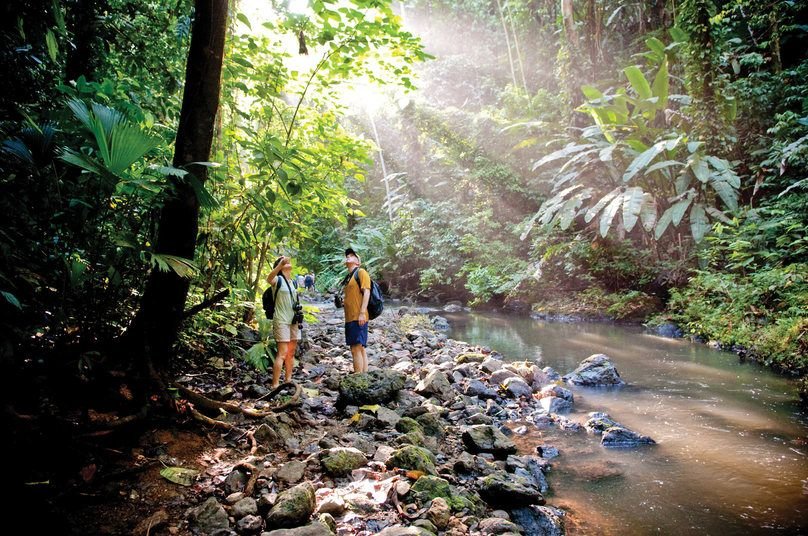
pixel 208 403
pixel 211 422
pixel 213 300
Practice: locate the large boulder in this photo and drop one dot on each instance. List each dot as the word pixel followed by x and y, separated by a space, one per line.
pixel 499 376
pixel 509 490
pixel 554 404
pixel 557 390
pixel 374 387
pixel 413 458
pixel 486 438
pixel 595 370
pixel 517 388
pixel 293 507
pixel 209 516
pixel 435 384
pixel 599 422
pixel 620 437
pixel 539 520
pixel 340 461
pixel 497 525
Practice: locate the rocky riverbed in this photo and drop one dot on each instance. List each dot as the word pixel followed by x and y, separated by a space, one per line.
pixel 419 445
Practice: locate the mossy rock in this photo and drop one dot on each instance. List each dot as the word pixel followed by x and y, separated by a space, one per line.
pixel 431 425
pixel 413 458
pixel 375 387
pixel 427 488
pixel 416 437
pixel 408 424
pixel 470 357
pixel 340 461
pixel 293 507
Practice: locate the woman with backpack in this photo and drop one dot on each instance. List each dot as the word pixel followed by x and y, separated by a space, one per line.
pixel 286 318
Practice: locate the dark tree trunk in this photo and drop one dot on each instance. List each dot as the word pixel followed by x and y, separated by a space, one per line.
pixel 161 311
pixel 83 59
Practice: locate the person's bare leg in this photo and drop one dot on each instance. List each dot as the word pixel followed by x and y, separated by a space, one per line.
pixel 364 359
pixel 280 357
pixel 356 353
pixel 290 360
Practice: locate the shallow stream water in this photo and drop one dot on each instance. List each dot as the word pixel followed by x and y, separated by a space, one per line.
pixel 732 443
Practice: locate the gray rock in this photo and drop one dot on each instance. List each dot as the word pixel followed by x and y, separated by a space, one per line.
pixel 490 365
pixel 246 506
pixel 496 525
pixel 329 521
pixel 554 404
pixel 439 512
pixel 485 438
pixel 431 425
pixel 599 422
pixel 413 458
pixel 312 529
pixel 398 530
pixel 256 391
pixel 435 384
pixel 619 437
pixel 539 520
pixel 557 390
pixel 479 389
pixel 670 330
pixel 235 481
pixel 332 504
pixel 501 489
pixel 426 525
pixel 517 387
pixel 387 417
pixel 440 323
pixel 595 370
pixel 291 472
pixel 275 434
pixel 374 387
pixel 551 374
pixel 340 461
pixel 499 376
pixel 293 507
pixel 250 524
pixel 209 516
pixel 453 308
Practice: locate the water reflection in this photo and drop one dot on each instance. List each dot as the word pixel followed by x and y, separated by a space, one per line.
pixel 731 454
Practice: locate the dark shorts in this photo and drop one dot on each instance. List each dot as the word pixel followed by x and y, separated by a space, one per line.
pixel 356 334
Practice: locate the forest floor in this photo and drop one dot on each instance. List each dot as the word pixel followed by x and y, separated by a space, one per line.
pixel 421 445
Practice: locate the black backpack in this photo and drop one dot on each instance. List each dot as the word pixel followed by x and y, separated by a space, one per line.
pixel 376 301
pixel 268 298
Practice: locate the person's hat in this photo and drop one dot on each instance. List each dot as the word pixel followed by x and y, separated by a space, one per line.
pixel 350 251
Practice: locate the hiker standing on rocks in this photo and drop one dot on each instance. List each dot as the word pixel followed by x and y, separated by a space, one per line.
pixel 285 325
pixel 357 295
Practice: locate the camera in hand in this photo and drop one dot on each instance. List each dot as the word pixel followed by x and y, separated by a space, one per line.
pixel 298 316
pixel 338 301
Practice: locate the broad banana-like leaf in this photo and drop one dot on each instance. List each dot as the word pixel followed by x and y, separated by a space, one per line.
pixel 561 153
pixel 661 85
pixel 699 224
pixel 679 208
pixel 638 81
pixel 632 203
pixel 727 193
pixel 657 46
pixel 597 207
pixel 648 213
pixel 608 215
pixel 643 159
pixel 663 223
pixel 662 165
pixel 699 167
pixel 717 214
pixel 568 211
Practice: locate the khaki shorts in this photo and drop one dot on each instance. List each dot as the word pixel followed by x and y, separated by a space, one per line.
pixel 285 332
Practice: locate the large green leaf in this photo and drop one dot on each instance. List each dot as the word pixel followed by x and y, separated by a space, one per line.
pixel 648 213
pixel 638 81
pixel 632 203
pixel 568 150
pixel 699 224
pixel 727 193
pixel 597 207
pixel 663 223
pixel 679 208
pixel 643 159
pixel 608 215
pixel 661 85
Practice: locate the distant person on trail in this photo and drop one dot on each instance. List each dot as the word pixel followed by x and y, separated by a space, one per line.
pixel 300 281
pixel 286 320
pixel 355 302
pixel 309 281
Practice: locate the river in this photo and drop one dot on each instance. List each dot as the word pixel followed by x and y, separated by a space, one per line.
pixel 732 443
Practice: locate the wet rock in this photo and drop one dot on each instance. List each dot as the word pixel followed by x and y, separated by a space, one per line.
pixel 374 387
pixel 670 330
pixel 329 521
pixel 554 404
pixel 599 422
pixel 209 516
pixel 505 490
pixel 453 307
pixel 496 525
pixel 547 452
pixel 246 506
pixel 479 389
pixel 293 507
pixel 620 437
pixel 431 425
pixel 291 472
pixel 595 370
pixel 557 390
pixel 484 438
pixel 435 384
pixel 250 524
pixel 517 387
pixel 426 525
pixel 427 488
pixel 413 458
pixel 551 374
pixel 313 529
pixel 539 520
pixel 490 365
pixel 340 461
pixel 439 512
pixel 440 323
pixel 530 468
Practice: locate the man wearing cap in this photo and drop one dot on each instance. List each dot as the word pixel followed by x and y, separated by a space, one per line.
pixel 356 300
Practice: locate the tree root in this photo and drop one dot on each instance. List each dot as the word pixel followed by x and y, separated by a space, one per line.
pixel 211 422
pixel 208 403
pixel 248 489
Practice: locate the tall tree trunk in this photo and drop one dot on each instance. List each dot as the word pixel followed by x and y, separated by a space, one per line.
pixel 568 15
pixel 518 53
pixel 160 315
pixel 83 59
pixel 507 44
